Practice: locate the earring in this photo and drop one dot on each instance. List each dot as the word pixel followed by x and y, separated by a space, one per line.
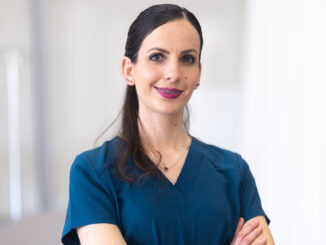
pixel 129 82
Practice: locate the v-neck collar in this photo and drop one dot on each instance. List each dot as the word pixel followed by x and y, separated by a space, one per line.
pixel 183 169
pixel 189 170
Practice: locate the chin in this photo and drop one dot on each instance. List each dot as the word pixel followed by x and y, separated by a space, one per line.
pixel 170 110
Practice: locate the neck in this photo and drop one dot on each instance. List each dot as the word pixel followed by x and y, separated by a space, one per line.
pixel 163 132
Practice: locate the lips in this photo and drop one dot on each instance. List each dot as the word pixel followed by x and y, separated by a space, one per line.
pixel 169 93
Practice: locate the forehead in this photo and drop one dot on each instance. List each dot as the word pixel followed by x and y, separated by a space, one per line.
pixel 179 34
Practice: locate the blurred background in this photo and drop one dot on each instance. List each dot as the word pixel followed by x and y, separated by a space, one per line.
pixel 262 95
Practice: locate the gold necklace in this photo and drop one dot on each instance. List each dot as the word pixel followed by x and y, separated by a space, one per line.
pixel 165 168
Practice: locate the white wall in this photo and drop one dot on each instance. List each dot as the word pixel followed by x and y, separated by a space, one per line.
pixel 284 114
pixel 15 34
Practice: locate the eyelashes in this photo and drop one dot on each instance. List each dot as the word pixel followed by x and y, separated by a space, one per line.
pixel 157 57
pixel 188 59
pixel 160 57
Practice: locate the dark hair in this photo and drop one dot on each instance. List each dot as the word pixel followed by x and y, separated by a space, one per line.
pixel 147 21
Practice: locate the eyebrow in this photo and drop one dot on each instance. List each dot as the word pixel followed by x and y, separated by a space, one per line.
pixel 165 51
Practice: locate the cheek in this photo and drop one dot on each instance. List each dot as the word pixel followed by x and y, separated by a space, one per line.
pixel 191 77
pixel 190 73
pixel 149 74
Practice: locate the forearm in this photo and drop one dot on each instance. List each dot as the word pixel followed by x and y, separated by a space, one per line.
pixel 266 232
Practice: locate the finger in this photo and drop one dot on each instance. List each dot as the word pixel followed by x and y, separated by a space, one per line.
pixel 252 236
pixel 251 223
pixel 240 225
pixel 247 228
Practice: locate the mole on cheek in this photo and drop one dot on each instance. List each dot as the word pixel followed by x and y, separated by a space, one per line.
pixel 186 77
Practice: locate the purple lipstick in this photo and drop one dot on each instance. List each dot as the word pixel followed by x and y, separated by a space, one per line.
pixel 169 93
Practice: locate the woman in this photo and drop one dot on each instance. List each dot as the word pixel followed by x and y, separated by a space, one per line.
pixel 153 183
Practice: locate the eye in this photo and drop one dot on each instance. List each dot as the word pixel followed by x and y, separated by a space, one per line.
pixel 188 59
pixel 157 57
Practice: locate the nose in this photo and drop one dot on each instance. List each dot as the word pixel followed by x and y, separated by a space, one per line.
pixel 172 70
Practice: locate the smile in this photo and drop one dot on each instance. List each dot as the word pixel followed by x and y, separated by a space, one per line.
pixel 169 93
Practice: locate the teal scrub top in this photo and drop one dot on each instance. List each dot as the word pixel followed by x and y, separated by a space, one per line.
pixel 214 189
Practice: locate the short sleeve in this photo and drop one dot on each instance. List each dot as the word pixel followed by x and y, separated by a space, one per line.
pixel 250 204
pixel 89 202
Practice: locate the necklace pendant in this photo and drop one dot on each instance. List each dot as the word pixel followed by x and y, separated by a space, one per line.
pixel 166 169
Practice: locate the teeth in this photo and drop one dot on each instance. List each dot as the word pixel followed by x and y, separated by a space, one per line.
pixel 169 92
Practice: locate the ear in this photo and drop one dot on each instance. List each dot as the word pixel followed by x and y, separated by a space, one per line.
pixel 127 70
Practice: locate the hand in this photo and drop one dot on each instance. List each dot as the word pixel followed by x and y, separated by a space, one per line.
pixel 246 234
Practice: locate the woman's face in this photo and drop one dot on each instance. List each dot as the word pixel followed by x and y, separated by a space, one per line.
pixel 168 58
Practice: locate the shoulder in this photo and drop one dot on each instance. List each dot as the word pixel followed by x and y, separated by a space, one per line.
pixel 221 158
pixel 98 158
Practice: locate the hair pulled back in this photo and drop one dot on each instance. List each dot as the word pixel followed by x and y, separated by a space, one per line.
pixel 146 22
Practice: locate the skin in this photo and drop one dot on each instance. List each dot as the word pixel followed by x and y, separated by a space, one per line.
pixel 255 231
pixel 168 57
pixel 100 234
